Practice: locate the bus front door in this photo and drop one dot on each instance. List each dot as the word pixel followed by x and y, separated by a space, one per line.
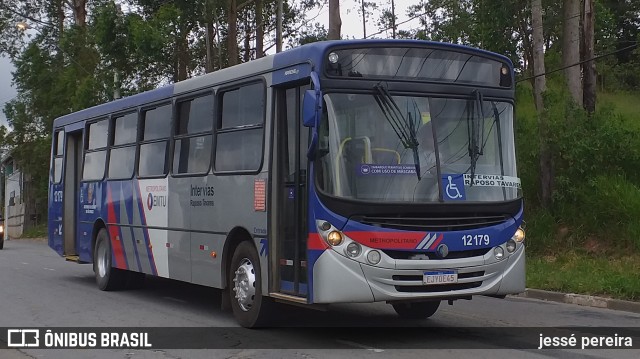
pixel 291 202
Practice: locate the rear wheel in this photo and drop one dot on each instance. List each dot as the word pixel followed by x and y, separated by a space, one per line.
pixel 416 310
pixel 107 277
pixel 249 307
pixel 1 240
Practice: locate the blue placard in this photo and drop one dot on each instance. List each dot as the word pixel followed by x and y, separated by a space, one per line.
pixel 453 187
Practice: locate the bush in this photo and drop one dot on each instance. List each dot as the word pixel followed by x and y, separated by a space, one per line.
pixel 596 166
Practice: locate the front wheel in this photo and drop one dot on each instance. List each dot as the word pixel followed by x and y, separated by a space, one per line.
pixel 250 307
pixel 1 240
pixel 107 277
pixel 416 310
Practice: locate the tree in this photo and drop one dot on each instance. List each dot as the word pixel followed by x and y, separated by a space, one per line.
pixel 589 67
pixel 335 23
pixel 540 86
pixel 571 48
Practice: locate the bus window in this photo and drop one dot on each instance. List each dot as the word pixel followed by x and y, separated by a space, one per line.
pixel 192 151
pixel 123 150
pixel 240 129
pixel 156 129
pixel 57 160
pixel 96 151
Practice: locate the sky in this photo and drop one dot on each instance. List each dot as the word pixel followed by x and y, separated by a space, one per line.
pixel 7 92
pixel 351 28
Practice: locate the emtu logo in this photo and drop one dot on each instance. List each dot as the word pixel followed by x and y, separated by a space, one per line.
pixel 156 201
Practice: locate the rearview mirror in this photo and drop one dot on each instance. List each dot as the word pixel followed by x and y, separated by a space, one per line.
pixel 312 106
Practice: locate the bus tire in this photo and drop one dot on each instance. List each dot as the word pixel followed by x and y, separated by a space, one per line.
pixel 250 307
pixel 107 277
pixel 1 241
pixel 416 310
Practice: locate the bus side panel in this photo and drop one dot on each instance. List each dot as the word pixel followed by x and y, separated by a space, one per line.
pixel 177 252
pixel 55 217
pixel 91 204
pixel 229 203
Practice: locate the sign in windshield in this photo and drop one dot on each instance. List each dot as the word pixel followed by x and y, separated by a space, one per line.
pixel 421 64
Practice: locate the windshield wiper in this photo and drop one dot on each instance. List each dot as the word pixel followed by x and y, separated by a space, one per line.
pixel 405 128
pixel 475 114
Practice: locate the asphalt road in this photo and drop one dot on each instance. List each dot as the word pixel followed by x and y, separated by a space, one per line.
pixel 38 288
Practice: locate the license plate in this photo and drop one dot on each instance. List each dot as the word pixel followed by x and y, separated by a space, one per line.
pixel 440 277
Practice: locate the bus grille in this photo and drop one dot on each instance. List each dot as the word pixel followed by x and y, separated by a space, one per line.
pixel 439 287
pixel 431 255
pixel 431 224
pixel 436 288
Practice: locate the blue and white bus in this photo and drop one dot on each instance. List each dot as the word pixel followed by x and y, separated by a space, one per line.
pixel 340 171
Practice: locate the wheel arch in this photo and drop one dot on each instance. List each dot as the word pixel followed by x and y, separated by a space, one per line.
pixel 97 226
pixel 236 236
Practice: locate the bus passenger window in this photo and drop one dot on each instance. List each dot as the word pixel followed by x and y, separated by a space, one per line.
pixel 95 153
pixel 155 131
pixel 192 147
pixel 123 147
pixel 240 129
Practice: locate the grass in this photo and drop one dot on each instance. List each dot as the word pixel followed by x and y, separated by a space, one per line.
pixel 38 231
pixel 576 272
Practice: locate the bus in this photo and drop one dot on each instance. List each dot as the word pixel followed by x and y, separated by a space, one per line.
pixel 352 171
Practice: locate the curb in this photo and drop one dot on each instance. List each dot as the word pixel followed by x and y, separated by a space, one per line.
pixel 581 299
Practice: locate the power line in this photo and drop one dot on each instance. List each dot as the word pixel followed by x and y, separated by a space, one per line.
pixel 26 16
pixel 580 62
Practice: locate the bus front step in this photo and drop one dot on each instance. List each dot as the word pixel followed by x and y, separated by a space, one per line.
pixel 72 258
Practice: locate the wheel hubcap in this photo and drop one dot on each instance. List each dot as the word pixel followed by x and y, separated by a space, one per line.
pixel 102 260
pixel 244 284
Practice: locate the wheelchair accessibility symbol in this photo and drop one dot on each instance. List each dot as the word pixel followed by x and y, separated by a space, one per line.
pixel 453 185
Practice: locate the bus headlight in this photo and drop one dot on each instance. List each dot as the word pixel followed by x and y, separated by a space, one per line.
pixel 519 235
pixel 1 228
pixel 498 252
pixel 511 246
pixel 334 238
pixel 353 249
pixel 373 257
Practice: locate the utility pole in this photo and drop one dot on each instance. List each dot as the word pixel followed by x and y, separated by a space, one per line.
pixel 393 19
pixel 364 21
pixel 279 27
pixel 589 67
pixel 116 70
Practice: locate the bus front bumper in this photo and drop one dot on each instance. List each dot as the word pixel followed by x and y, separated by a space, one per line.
pixel 338 279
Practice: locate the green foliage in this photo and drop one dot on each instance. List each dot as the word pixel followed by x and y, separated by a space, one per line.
pixel 596 164
pixel 39 231
pixel 580 272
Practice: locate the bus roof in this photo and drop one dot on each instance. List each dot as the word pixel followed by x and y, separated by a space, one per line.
pixel 312 53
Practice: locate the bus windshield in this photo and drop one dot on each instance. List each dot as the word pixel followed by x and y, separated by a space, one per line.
pixel 381 148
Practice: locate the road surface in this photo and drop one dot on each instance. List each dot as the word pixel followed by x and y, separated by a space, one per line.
pixel 40 289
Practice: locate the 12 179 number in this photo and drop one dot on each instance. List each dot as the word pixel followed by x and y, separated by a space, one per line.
pixel 475 240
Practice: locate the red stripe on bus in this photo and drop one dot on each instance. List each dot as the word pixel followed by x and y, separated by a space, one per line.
pixel 315 242
pixel 390 240
pixel 116 245
pixel 435 244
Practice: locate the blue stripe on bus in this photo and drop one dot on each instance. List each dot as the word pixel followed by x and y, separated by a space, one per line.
pixel 145 231
pixel 129 208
